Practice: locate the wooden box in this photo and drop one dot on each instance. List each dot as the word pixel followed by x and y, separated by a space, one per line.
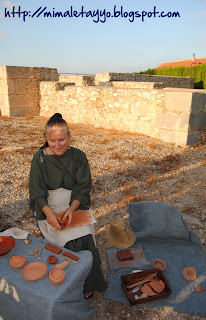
pixel 132 278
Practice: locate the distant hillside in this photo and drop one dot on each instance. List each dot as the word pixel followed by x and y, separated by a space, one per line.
pixel 197 71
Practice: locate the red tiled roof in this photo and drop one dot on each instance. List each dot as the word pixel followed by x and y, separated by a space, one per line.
pixel 188 62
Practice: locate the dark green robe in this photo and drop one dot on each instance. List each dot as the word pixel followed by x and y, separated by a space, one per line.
pixel 48 173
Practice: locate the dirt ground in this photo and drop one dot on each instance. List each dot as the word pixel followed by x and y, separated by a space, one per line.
pixel 125 168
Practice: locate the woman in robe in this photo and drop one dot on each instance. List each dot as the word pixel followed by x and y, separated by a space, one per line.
pixel 59 184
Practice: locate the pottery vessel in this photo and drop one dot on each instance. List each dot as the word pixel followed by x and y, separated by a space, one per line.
pixel 52 259
pixel 189 273
pixel 34 271
pixel 62 265
pixel 159 264
pixel 6 244
pixel 17 262
pixel 56 276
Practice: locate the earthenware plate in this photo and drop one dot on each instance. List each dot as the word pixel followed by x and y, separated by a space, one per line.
pixel 6 244
pixel 34 271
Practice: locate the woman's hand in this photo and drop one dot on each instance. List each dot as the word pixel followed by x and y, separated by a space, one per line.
pixel 70 211
pixel 51 217
pixel 68 216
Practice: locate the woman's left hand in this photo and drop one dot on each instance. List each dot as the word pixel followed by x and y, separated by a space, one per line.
pixel 70 211
pixel 68 216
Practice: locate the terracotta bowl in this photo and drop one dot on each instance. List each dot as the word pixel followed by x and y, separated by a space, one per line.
pixel 6 244
pixel 56 276
pixel 159 264
pixel 17 262
pixel 189 273
pixel 52 259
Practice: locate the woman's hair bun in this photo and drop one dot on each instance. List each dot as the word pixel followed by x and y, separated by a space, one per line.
pixel 56 116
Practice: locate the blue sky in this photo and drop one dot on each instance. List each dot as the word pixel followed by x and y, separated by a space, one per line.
pixel 79 45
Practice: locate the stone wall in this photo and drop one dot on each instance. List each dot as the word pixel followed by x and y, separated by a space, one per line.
pixel 4 99
pixel 78 80
pixel 184 119
pixel 136 85
pixel 172 115
pixel 19 89
pixel 175 82
pixel 176 115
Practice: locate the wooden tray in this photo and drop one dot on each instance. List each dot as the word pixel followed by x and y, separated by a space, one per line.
pixel 131 278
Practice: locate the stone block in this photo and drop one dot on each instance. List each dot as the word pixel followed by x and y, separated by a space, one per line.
pixel 193 138
pixel 178 138
pixel 4 111
pixel 184 121
pixel 3 73
pixel 22 86
pixel 166 120
pixel 199 102
pixel 4 101
pixel 197 121
pixel 11 87
pixel 19 112
pixel 17 72
pixel 178 101
pixel 17 101
pixel 3 86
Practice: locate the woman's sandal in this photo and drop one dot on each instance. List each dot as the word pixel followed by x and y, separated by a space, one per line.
pixel 88 295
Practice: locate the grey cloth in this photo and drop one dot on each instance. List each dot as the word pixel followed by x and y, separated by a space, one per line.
pixel 21 299
pixel 138 262
pixel 160 228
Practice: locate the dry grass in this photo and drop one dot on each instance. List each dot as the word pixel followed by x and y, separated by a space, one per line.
pixel 125 168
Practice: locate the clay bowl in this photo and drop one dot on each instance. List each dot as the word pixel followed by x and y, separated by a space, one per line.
pixel 189 273
pixel 6 244
pixel 159 264
pixel 56 276
pixel 17 262
pixel 52 259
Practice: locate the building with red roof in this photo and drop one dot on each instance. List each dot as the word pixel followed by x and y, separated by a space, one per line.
pixel 188 63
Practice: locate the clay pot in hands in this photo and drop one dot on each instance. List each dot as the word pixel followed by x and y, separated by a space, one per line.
pixel 56 276
pixel 17 262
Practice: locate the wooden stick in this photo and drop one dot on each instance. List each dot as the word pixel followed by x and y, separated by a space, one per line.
pixel 66 258
pixel 27 250
pixel 141 281
pixel 39 254
pixel 33 254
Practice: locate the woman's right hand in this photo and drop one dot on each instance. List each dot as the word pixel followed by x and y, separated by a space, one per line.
pixel 51 217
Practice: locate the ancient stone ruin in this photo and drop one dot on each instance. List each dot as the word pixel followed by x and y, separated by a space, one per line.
pixel 166 108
